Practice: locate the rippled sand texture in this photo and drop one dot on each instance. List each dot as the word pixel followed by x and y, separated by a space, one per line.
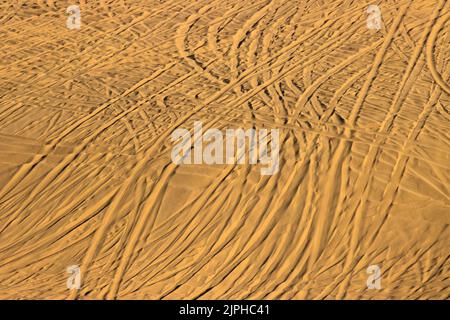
pixel 86 176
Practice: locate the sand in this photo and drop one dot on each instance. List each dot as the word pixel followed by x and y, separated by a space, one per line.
pixel 87 180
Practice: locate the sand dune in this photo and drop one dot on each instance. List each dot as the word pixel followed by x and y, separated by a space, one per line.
pixel 87 180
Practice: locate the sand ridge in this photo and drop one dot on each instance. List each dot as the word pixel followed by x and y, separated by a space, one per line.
pixel 87 179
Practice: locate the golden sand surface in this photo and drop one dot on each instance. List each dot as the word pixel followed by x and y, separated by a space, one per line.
pixel 87 180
